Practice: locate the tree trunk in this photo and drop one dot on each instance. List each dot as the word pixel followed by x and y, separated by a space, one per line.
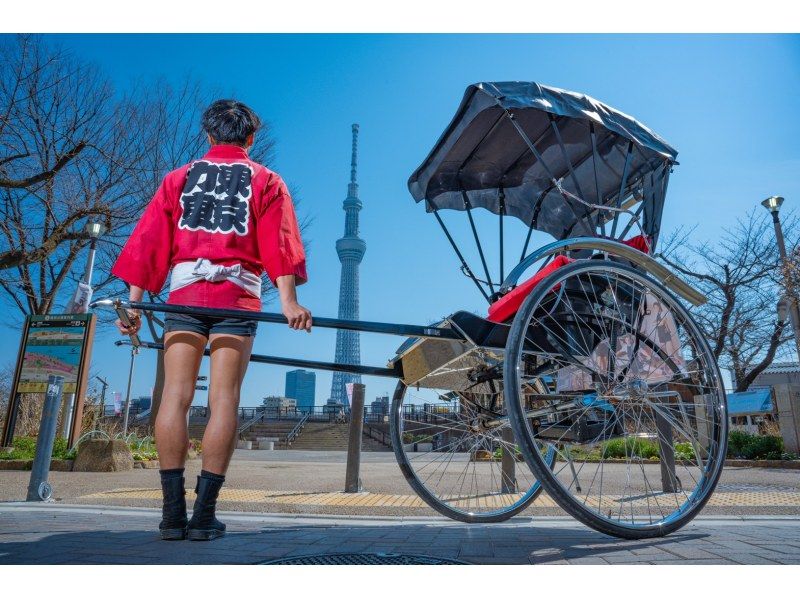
pixel 744 383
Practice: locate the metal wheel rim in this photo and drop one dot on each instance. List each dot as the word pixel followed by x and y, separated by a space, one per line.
pixel 707 481
pixel 408 460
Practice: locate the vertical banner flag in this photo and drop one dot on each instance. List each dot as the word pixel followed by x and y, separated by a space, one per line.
pixel 349 389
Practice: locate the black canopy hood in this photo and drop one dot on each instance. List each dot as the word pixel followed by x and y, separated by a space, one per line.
pixel 511 145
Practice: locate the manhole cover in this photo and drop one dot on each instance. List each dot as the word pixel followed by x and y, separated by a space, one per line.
pixel 357 558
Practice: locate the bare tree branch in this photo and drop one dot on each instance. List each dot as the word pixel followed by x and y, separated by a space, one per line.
pixel 742 278
pixel 31 181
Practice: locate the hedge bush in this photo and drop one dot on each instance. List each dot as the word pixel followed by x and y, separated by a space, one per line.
pixel 621 448
pixel 24 447
pixel 742 445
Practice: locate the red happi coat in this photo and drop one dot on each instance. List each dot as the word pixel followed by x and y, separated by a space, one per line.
pixel 225 208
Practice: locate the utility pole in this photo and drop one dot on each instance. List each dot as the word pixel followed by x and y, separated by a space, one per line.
pixel 773 204
pixel 134 352
pixel 104 382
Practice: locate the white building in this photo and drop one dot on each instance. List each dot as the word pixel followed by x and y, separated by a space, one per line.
pixel 279 403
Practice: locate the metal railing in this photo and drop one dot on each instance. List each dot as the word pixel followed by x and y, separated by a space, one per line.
pixel 296 431
pixel 426 412
pixel 198 412
pixel 378 434
pixel 244 427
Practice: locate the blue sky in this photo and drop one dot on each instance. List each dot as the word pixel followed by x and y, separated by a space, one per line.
pixel 727 103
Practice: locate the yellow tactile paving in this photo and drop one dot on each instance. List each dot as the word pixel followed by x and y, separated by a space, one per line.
pixel 719 499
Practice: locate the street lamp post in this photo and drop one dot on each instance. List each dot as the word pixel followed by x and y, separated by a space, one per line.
pixel 83 294
pixel 80 305
pixel 773 204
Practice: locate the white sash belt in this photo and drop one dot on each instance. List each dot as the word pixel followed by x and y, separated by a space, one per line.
pixel 186 273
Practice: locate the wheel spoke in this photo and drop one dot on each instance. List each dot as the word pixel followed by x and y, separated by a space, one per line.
pixel 457 435
pixel 637 390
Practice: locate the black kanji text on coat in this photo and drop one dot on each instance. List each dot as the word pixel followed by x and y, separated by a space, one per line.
pixel 216 198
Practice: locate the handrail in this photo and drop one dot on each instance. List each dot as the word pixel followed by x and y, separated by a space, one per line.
pixel 296 430
pixel 249 424
pixel 616 248
pixel 370 431
pixel 142 414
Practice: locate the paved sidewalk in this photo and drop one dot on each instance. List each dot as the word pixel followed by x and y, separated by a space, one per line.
pixel 311 482
pixel 85 534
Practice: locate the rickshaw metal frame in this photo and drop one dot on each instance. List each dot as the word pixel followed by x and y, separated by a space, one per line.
pixel 610 246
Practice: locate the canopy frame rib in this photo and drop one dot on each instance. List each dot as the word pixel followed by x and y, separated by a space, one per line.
pixel 553 180
pixel 654 236
pixel 468 207
pixel 464 266
pixel 633 220
pixel 502 212
pixel 571 170
pixel 622 186
pixel 598 194
pixel 526 151
pixel 527 238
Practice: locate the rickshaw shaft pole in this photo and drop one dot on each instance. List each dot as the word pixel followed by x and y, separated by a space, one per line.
pixel 366 370
pixel 274 318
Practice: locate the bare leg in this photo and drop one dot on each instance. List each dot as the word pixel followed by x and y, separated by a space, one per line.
pixel 182 354
pixel 230 356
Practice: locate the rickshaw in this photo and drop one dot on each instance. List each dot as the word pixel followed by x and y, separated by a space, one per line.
pixel 587 377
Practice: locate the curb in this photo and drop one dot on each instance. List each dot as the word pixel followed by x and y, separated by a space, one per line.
pixel 26 464
pixel 766 463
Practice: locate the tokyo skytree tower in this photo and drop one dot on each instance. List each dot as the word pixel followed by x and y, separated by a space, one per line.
pixel 351 249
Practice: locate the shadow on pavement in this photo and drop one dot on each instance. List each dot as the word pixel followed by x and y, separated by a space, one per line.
pixel 506 544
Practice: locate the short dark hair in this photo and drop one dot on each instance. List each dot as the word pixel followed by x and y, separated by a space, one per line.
pixel 229 121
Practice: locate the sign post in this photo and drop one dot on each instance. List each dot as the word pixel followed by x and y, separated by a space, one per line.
pixel 38 487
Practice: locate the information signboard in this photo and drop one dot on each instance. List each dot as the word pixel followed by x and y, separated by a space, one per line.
pixel 52 345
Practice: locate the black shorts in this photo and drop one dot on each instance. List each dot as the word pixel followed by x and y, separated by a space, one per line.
pixel 207 325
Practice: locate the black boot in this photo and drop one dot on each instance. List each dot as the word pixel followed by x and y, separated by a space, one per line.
pixel 204 525
pixel 173 513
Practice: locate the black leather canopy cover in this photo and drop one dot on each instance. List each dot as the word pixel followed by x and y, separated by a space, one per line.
pixel 481 160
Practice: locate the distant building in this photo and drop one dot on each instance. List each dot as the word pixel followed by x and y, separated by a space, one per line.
pixel 751 409
pixel 333 408
pixel 279 403
pixel 782 405
pixel 778 373
pixel 141 403
pixel 301 386
pixel 380 406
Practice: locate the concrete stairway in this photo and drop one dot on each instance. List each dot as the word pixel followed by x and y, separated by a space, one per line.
pixel 196 430
pixel 324 436
pixel 279 429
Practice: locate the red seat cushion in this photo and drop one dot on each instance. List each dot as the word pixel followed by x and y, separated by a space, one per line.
pixel 640 242
pixel 504 308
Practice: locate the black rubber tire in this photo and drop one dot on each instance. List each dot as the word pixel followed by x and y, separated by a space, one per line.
pixel 528 444
pixel 420 489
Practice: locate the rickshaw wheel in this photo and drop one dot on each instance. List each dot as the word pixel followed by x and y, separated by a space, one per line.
pixel 447 477
pixel 640 431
